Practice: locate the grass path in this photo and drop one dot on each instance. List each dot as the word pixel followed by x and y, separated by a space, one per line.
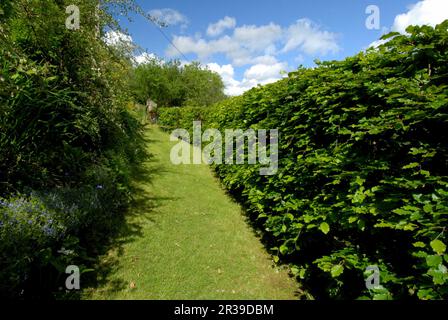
pixel 185 239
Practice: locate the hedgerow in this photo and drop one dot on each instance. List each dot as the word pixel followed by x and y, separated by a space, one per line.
pixel 68 142
pixel 363 175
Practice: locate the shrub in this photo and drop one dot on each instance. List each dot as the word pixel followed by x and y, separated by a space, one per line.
pixel 68 141
pixel 363 175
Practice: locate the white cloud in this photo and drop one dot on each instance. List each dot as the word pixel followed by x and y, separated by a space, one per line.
pixel 258 38
pixel 145 57
pixel 240 48
pixel 170 17
pixel 249 41
pixel 256 47
pixel 265 72
pixel 310 39
pixel 426 12
pixel 227 72
pixel 266 59
pixel 117 38
pixel 259 74
pixel 219 27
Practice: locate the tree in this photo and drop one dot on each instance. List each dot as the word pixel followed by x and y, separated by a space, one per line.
pixel 172 85
pixel 203 87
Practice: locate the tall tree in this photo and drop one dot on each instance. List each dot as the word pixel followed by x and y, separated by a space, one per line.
pixel 171 84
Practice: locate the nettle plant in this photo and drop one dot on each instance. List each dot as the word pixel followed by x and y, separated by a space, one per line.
pixel 363 172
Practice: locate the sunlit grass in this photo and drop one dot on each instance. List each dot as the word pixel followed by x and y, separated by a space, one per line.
pixel 186 239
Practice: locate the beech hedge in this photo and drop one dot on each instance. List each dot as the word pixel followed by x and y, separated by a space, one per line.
pixel 363 175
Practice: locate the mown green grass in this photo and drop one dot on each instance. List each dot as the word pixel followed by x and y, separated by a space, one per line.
pixel 186 239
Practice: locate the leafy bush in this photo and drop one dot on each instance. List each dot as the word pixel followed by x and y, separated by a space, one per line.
pixel 172 85
pixel 174 118
pixel 363 175
pixel 68 140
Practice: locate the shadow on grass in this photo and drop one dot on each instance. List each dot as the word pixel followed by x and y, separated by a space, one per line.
pixel 108 254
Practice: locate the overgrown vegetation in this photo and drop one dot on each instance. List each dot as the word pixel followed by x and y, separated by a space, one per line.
pixel 363 177
pixel 171 84
pixel 68 141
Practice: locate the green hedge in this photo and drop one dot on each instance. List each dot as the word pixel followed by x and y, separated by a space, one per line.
pixel 363 176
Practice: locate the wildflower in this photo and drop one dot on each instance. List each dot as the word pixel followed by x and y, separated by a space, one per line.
pixel 99 187
pixel 49 231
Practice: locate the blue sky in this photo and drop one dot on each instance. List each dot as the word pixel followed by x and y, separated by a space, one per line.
pixel 249 42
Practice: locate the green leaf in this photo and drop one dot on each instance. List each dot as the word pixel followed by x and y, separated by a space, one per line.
pixel 352 219
pixel 360 181
pixel 295 270
pixel 390 35
pixel 438 246
pixel 324 227
pixel 337 270
pixel 283 249
pixel 412 165
pixel 87 271
pixel 419 244
pixel 382 297
pixel 427 208
pixel 425 173
pixel 426 294
pixel 433 261
pixel 302 273
pixel 439 275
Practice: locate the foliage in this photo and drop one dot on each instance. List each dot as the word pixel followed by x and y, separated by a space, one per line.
pixel 173 118
pixel 363 177
pixel 172 85
pixel 41 233
pixel 66 129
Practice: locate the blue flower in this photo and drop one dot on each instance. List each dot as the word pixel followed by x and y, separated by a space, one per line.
pixel 48 231
pixel 99 186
